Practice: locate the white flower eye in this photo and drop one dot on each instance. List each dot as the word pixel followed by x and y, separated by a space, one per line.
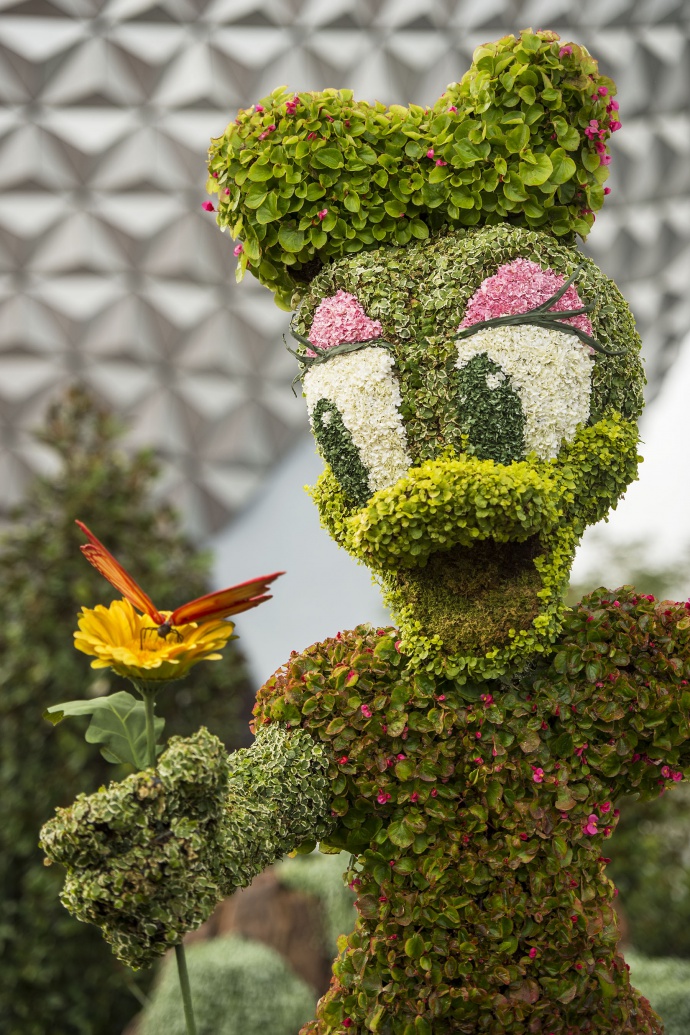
pixel 548 371
pixel 353 401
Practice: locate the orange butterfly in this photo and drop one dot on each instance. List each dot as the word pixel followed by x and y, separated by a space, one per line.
pixel 221 604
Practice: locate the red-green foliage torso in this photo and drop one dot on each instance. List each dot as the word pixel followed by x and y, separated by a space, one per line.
pixel 482 899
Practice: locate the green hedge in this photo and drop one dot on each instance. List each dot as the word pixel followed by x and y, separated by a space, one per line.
pixel 239 987
pixel 58 975
pixel 666 983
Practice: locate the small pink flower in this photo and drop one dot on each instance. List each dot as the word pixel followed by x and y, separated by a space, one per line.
pixel 397 645
pixel 605 806
pixel 524 837
pixel 604 159
pixel 238 249
pixel 214 175
pixel 382 898
pixel 434 793
pixel 312 136
pixel 390 762
pixel 532 953
pixel 343 760
pixel 479 761
pixel 207 206
pixel 487 699
pixel 590 826
pixel 613 105
pixel 565 50
pixel 322 214
pixel 676 776
pixel 579 751
pixel 439 161
pixel 260 107
pixel 347 1023
pixel 607 190
pixel 441 697
pixel 615 125
pixel 666 772
pixel 602 91
pixel 537 774
pixel 226 191
pixel 414 797
pixel 269 129
pixel 452 109
pixel 401 757
pixel 366 711
pixel 354 884
pixel 382 797
pixel 430 153
pixel 478 734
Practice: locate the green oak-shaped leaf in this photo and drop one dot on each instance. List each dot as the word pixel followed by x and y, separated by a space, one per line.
pixel 118 724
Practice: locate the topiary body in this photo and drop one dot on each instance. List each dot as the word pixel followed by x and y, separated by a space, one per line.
pixel 473 384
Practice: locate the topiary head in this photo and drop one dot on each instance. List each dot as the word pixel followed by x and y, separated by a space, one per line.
pixel 462 470
pixel 463 461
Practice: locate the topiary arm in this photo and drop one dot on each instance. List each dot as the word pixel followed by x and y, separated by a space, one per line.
pixel 620 690
pixel 279 799
pixel 149 857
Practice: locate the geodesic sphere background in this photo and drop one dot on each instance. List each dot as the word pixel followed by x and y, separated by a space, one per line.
pixel 113 275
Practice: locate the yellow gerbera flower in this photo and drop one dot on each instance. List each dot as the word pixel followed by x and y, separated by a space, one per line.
pixel 127 642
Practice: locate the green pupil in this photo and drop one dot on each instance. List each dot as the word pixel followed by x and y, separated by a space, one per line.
pixel 491 412
pixel 339 451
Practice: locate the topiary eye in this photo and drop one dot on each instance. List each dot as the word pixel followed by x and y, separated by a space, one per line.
pixel 339 451
pixel 491 413
pixel 353 400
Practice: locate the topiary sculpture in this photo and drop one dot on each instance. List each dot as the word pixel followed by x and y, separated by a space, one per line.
pixel 473 385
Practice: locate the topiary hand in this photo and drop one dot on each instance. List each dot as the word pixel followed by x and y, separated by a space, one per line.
pixel 149 857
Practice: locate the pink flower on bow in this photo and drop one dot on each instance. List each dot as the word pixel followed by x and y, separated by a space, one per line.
pixel 207 206
pixel 382 797
pixel 238 249
pixel 366 711
pixel 537 774
pixel 565 50
pixel 590 826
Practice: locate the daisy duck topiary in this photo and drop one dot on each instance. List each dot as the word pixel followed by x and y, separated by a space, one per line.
pixel 473 384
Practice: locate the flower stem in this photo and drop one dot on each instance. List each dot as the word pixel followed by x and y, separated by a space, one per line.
pixel 185 989
pixel 150 708
pixel 182 973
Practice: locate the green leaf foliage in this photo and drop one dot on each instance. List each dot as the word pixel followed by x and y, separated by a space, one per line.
pixel 383 174
pixel 58 974
pixel 118 723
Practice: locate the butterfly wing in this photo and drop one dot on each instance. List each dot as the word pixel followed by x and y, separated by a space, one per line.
pixel 104 562
pixel 226 602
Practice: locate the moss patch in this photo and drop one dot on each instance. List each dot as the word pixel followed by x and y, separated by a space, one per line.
pixel 472 598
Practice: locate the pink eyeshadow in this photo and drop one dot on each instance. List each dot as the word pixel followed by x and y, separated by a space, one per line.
pixel 341 318
pixel 518 286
